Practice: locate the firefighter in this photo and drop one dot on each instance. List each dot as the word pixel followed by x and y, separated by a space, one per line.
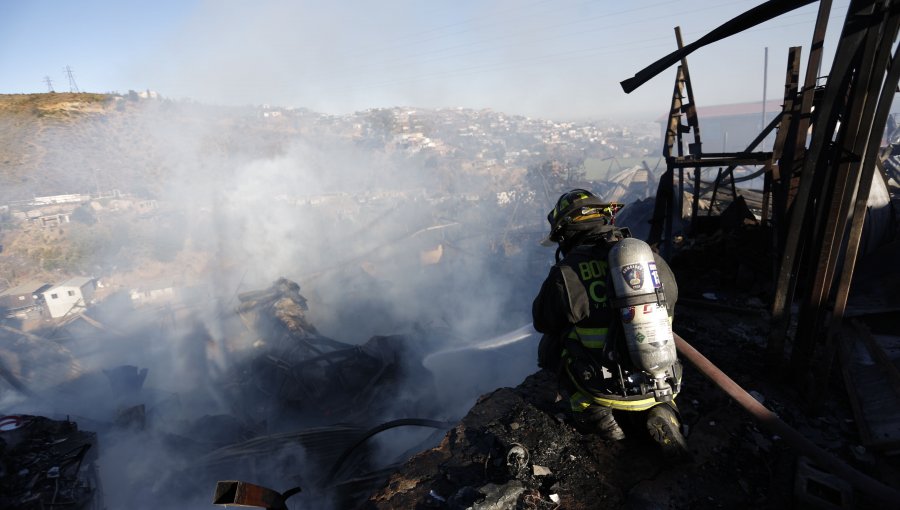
pixel 583 338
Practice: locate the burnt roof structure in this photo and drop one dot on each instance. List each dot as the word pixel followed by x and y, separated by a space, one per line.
pixel 826 159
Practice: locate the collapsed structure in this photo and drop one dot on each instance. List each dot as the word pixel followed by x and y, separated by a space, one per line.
pixel 305 407
pixel 811 218
pixel 315 379
pixel 47 463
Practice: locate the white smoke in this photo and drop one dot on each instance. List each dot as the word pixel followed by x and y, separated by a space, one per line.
pixel 240 205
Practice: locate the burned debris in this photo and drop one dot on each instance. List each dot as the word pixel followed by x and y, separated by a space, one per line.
pixel 247 494
pixel 299 375
pixel 302 408
pixel 763 258
pixel 47 463
pixel 766 287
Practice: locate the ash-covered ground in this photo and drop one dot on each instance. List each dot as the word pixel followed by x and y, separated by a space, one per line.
pixel 259 392
pixel 517 449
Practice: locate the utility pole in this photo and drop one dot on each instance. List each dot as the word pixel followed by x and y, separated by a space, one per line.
pixel 765 83
pixel 73 87
pixel 49 83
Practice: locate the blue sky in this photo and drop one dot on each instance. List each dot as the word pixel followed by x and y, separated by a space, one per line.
pixel 559 59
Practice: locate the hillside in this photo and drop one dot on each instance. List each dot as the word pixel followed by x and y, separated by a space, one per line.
pixel 77 143
pixel 29 124
pixel 237 162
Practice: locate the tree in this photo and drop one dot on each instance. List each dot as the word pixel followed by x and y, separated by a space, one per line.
pixel 84 214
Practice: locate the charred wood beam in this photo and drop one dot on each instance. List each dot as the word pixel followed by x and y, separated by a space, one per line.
pixel 674 127
pixel 774 424
pixel 857 138
pixel 790 109
pixel 694 123
pixel 790 113
pixel 868 171
pixel 759 14
pixel 722 159
pixel 715 190
pixel 661 210
pixel 840 180
pixel 814 162
pixel 665 193
pixel 791 163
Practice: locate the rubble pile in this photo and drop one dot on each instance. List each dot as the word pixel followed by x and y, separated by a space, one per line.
pixel 510 451
pixel 277 314
pixel 304 407
pixel 46 463
pixel 726 265
pixel 298 376
pixel 515 449
pixel 299 408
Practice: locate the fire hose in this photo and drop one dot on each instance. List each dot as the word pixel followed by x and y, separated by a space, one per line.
pixel 773 423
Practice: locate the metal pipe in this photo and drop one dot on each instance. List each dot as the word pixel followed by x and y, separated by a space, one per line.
pixel 239 493
pixel 773 423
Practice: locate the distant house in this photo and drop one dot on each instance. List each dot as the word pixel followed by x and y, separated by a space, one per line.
pixel 60 199
pixel 145 206
pixel 163 290
pixel 52 220
pixel 70 297
pixel 23 297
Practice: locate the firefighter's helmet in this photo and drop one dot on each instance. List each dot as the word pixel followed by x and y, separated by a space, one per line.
pixel 576 211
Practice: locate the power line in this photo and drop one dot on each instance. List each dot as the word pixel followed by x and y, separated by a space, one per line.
pixel 489 32
pixel 49 83
pixel 73 87
pixel 349 68
pixel 554 57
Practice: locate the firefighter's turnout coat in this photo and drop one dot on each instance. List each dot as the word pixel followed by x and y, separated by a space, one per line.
pixel 583 340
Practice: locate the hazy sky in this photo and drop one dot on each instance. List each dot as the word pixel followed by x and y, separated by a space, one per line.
pixel 557 59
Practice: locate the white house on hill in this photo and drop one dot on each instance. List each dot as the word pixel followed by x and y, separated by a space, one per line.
pixel 70 297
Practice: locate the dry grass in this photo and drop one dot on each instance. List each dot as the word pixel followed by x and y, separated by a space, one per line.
pixel 54 103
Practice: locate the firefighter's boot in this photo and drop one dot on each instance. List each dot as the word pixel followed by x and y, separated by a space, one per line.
pixel 665 428
pixel 600 420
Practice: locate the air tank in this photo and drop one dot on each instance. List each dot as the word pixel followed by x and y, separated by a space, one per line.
pixel 641 303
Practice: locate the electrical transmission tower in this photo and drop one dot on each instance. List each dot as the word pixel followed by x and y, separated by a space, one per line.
pixel 49 83
pixel 73 87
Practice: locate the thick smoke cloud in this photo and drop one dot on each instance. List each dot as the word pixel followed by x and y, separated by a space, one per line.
pixel 240 204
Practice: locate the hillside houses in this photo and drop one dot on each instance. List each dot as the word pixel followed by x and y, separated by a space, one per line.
pixel 474 135
pixel 70 297
pixel 57 210
pixel 23 298
pixel 37 298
